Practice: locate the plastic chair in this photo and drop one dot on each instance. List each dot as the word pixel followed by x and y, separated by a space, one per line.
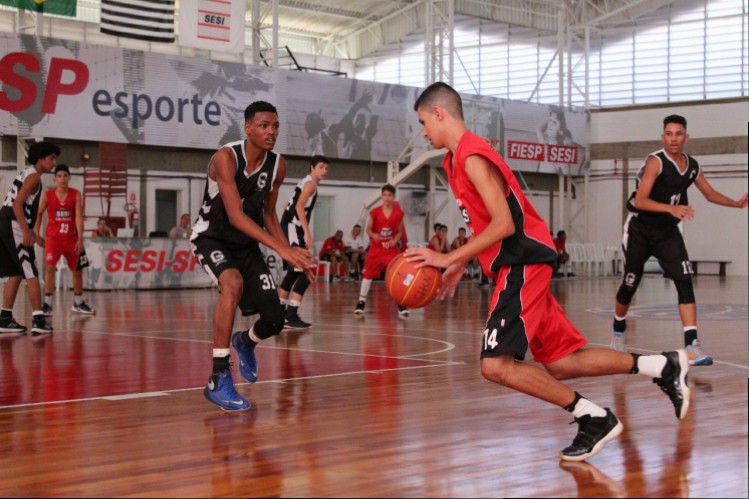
pixel 322 264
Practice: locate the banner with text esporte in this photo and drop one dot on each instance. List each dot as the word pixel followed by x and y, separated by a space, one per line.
pixel 70 90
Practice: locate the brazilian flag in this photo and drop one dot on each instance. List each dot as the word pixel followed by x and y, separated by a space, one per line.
pixel 59 7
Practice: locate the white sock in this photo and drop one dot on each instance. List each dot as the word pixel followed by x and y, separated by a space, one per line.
pixel 252 336
pixel 651 365
pixel 294 303
pixel 78 299
pixel 48 299
pixel 221 352
pixel 283 301
pixel 364 291
pixel 585 406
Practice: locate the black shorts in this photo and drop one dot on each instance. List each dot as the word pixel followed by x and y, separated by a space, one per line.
pixel 15 258
pixel 665 242
pixel 215 257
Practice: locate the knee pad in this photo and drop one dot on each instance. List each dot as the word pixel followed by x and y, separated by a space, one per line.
pixel 685 290
pixel 301 285
pixel 288 280
pixel 271 319
pixel 628 288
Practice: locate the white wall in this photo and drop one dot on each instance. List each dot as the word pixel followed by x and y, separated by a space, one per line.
pixel 716 232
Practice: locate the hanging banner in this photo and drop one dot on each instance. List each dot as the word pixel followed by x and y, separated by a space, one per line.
pixel 212 24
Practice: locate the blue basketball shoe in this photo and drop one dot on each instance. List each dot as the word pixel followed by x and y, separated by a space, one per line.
pixel 247 360
pixel 220 390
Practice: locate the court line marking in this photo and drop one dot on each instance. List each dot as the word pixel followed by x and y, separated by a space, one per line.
pixel 450 346
pixel 132 396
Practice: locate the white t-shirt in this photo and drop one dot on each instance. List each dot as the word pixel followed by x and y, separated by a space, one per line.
pixel 354 242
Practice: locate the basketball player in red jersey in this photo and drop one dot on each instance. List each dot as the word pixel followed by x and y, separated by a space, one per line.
pixel 514 247
pixel 385 230
pixel 64 238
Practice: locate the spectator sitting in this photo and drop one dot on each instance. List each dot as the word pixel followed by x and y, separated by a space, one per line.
pixel 473 269
pixel 334 251
pixel 102 229
pixel 183 230
pixel 356 251
pixel 560 243
pixel 438 242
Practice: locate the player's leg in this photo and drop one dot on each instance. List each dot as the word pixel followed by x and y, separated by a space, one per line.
pixel 637 248
pixel 372 268
pixel 8 323
pixel 49 278
pixel 76 263
pixel 259 295
pixel 222 268
pixel 291 318
pixel 673 257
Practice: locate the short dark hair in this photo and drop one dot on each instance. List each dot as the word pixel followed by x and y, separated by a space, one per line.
pixel 462 229
pixel 357 225
pixel 675 118
pixel 561 233
pixel 437 226
pixel 443 94
pixel 389 188
pixel 62 167
pixel 40 150
pixel 259 106
pixel 318 158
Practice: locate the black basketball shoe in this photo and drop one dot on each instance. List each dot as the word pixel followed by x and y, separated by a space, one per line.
pixel 592 435
pixel 673 381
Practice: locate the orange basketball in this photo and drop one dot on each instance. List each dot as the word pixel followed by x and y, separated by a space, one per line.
pixel 411 287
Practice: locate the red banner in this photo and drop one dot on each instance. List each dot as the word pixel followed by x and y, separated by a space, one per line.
pixel 534 151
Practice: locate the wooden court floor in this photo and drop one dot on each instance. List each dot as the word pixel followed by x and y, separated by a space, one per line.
pixel 112 405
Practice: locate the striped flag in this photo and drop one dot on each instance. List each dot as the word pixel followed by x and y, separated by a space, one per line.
pixel 212 24
pixel 150 20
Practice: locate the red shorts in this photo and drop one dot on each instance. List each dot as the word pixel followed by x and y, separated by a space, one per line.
pixel 56 247
pixel 524 314
pixel 378 260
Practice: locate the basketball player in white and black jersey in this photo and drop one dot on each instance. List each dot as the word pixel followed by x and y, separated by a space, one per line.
pixel 657 206
pixel 17 257
pixel 295 224
pixel 239 214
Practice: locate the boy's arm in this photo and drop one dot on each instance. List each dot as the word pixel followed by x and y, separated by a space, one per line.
pixel 38 223
pixel 29 186
pixel 492 188
pixel 307 191
pixel 79 222
pixel 716 197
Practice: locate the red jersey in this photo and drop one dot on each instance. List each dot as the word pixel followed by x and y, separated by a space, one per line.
pixel 330 244
pixel 531 242
pixel 385 227
pixel 61 214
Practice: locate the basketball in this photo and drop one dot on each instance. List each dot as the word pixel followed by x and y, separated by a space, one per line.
pixel 411 287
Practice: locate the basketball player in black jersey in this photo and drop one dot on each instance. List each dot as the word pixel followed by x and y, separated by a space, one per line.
pixel 239 214
pixel 656 207
pixel 295 224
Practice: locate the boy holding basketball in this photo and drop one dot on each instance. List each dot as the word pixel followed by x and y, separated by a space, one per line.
pixel 515 249
pixel 385 230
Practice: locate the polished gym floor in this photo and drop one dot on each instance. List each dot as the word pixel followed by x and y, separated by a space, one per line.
pixel 373 406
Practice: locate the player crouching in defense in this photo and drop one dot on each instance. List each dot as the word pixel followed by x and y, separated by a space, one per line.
pixel 514 247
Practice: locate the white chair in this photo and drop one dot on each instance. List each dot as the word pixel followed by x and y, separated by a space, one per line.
pixel 62 265
pixel 598 260
pixel 325 265
pixel 614 255
pixel 577 263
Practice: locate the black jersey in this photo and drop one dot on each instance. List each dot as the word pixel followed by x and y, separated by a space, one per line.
pixel 30 205
pixel 670 187
pixel 213 222
pixel 289 212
